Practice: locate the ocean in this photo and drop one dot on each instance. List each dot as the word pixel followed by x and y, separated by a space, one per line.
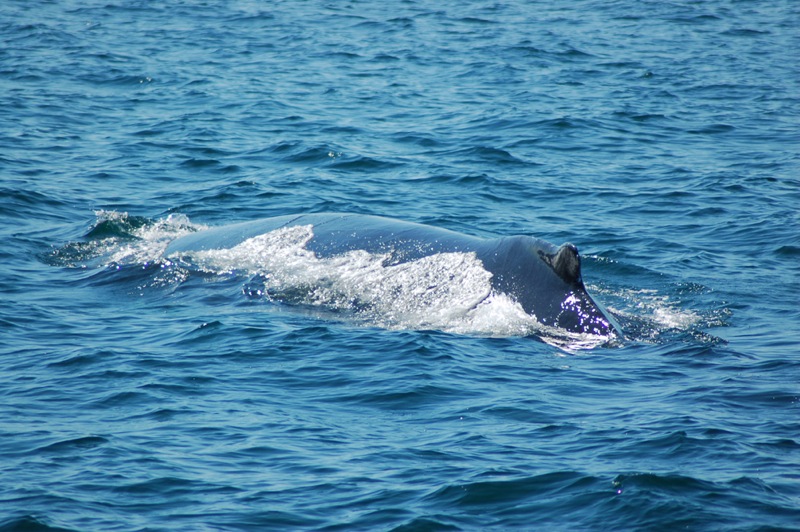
pixel 139 393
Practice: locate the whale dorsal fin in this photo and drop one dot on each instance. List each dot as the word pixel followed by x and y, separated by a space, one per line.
pixel 566 262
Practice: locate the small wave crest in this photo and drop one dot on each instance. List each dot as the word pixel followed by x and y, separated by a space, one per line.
pixel 117 239
pixel 656 316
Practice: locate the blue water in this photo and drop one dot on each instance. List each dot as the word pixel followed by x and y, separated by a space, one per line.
pixel 662 138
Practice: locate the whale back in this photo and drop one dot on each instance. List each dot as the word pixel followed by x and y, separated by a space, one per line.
pixel 544 279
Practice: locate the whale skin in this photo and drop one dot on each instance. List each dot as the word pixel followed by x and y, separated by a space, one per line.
pixel 543 278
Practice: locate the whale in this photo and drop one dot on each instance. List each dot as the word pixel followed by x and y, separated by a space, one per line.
pixel 542 278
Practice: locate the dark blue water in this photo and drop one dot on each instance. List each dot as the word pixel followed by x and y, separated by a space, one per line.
pixel 662 138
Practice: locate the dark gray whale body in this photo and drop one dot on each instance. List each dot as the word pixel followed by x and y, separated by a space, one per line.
pixel 544 279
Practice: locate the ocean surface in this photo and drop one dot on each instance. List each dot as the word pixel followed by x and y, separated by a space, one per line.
pixel 136 393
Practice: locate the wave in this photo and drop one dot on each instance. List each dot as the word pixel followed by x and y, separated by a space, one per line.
pixel 30 523
pixel 118 239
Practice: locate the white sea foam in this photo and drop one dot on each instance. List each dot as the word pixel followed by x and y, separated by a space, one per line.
pixel 658 308
pixel 431 292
